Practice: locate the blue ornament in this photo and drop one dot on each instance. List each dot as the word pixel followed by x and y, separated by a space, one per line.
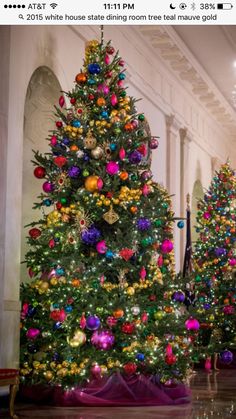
pixel 122 76
pixel 60 271
pixel 57 325
pixel 113 146
pixel 94 68
pixel 207 306
pixel 69 309
pixel 180 224
pixel 140 357
pixel 66 141
pixel 91 82
pixel 86 158
pixel 76 123
pixel 109 254
pixel 55 357
pixel 104 114
pixel 93 322
pixel 47 202
pixel 31 311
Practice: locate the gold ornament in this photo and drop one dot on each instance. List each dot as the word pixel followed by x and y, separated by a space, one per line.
pixel 78 339
pixel 90 142
pixel 48 375
pixel 91 183
pixel 111 216
pixel 130 291
pixel 97 153
pixel 83 220
pixel 62 181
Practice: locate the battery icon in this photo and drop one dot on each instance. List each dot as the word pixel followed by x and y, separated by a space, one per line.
pixel 224 6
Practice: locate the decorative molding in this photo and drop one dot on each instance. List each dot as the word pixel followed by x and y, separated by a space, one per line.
pixel 175 53
pixel 12 305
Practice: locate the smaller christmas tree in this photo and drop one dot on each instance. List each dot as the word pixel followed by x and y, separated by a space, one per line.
pixel 215 262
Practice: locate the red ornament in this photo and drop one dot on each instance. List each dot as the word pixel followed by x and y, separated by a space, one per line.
pixel 142 149
pixel 58 205
pixel 91 96
pixel 39 172
pixel 130 368
pixel 128 328
pixel 61 101
pixel 34 233
pixel 110 50
pixel 144 317
pixel 82 322
pixel 60 161
pixel 51 243
pixel 59 124
pixel 58 315
pixel 152 297
pixel 73 100
pixel 170 359
pixel 108 75
pixel 126 254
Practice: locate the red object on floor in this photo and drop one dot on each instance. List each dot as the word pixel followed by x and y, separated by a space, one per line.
pixel 116 390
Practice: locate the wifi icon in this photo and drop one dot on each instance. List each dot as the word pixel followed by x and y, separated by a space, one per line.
pixel 53 5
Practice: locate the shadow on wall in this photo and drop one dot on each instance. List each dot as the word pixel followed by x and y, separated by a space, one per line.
pixel 42 93
pixel 197 194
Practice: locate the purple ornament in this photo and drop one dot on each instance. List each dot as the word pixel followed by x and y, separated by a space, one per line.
pixel 143 224
pixel 48 187
pixel 103 339
pixel 74 172
pixel 207 306
pixel 220 251
pixel 226 357
pixel 32 333
pixel 93 322
pixel 135 157
pixel 91 236
pixel 147 174
pixel 167 246
pixel 178 296
pixel 153 144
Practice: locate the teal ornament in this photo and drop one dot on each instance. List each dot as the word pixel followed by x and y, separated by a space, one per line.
pixel 76 123
pixel 180 224
pixel 113 146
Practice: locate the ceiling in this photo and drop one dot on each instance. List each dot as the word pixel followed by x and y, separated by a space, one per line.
pixel 214 47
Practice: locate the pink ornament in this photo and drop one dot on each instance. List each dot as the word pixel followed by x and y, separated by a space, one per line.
pixel 61 101
pixel 51 243
pixel 143 273
pixel 206 215
pixel 134 123
pixel 100 184
pixel 24 310
pixel 47 187
pixel 107 59
pixel 112 168
pixel 32 333
pixel 31 272
pixel 160 261
pixel 102 279
pixel 192 324
pixel 169 350
pixel 144 317
pixel 62 315
pixel 228 310
pixel 82 322
pixel 122 153
pixel 52 273
pixel 111 321
pixel 114 99
pixel 207 364
pixel 121 63
pixel 53 140
pixel 145 190
pixel 106 90
pixel 101 247
pixel 96 370
pixel 120 83
pixel 232 262
pixel 167 246
pixel 103 339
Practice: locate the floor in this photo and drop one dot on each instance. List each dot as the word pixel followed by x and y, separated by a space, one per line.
pixel 213 396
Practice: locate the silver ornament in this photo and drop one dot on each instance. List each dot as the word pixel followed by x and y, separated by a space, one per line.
pixel 97 153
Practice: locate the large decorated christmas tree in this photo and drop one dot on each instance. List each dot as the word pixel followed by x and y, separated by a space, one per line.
pixel 102 254
pixel 215 263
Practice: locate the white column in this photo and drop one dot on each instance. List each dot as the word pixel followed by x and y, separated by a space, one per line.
pixel 185 140
pixel 173 175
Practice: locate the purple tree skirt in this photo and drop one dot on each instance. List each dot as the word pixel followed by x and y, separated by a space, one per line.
pixel 115 390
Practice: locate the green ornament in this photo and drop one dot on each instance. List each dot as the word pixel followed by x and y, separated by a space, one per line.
pixel 95 284
pixel 141 117
pixel 134 177
pixel 117 130
pixel 198 278
pixel 163 269
pixel 158 223
pixel 140 133
pixel 63 201
pixel 145 242
pixel 123 93
pixel 99 310
pixel 158 315
pixel 165 205
pixel 85 173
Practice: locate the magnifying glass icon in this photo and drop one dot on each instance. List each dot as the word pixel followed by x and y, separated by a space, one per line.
pixel 21 17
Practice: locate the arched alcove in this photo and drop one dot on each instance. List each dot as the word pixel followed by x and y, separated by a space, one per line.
pixel 42 93
pixel 196 195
